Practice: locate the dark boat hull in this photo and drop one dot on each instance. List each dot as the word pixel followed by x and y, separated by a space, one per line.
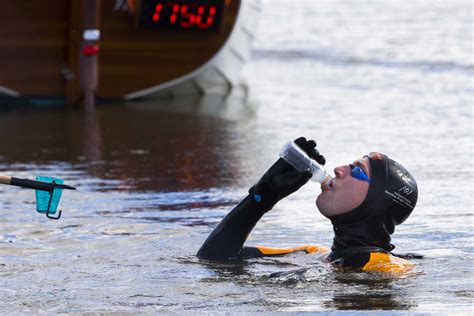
pixel 41 47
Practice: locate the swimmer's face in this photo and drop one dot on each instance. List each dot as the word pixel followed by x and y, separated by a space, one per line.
pixel 345 192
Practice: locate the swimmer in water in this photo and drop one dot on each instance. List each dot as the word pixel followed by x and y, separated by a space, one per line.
pixel 364 202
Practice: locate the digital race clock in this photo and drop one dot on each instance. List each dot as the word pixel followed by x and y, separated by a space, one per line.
pixel 181 14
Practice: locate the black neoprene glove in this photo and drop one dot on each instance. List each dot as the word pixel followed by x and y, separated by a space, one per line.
pixel 282 179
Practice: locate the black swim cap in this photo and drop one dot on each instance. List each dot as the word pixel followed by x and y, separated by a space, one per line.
pixel 391 199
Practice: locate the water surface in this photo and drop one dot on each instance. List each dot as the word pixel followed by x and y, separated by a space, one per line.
pixel 357 76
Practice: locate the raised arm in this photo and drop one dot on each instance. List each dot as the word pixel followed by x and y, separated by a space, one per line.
pixel 227 239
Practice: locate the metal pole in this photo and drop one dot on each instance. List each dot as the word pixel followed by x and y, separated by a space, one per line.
pixel 89 52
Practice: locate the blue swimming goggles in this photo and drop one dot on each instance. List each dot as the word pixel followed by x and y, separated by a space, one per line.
pixel 359 173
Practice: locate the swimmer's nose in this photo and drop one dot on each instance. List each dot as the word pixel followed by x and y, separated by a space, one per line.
pixel 341 171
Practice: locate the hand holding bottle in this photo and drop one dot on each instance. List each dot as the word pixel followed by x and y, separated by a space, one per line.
pixel 282 179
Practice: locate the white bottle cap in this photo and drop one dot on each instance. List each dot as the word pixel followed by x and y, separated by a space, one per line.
pixel 91 35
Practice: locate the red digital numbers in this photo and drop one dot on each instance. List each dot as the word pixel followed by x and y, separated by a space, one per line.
pixel 156 15
pixel 188 15
pixel 175 11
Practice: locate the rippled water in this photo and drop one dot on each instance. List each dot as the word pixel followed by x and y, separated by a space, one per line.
pixel 358 76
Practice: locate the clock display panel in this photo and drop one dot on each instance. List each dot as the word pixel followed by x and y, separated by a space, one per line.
pixel 203 15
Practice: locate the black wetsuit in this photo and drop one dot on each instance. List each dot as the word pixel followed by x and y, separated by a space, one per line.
pixel 227 240
pixel 362 235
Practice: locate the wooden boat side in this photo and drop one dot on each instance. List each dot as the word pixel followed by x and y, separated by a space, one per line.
pixel 40 49
pixel 32 49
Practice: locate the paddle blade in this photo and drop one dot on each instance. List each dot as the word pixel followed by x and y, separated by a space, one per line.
pixel 43 197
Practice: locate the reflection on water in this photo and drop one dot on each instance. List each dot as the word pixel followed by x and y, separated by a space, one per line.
pixel 369 291
pixel 143 149
pixel 372 301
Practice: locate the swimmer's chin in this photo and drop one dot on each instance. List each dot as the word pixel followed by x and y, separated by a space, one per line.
pixel 326 204
pixel 320 204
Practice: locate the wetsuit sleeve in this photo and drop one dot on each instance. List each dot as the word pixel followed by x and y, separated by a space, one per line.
pixel 227 239
pixel 280 180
